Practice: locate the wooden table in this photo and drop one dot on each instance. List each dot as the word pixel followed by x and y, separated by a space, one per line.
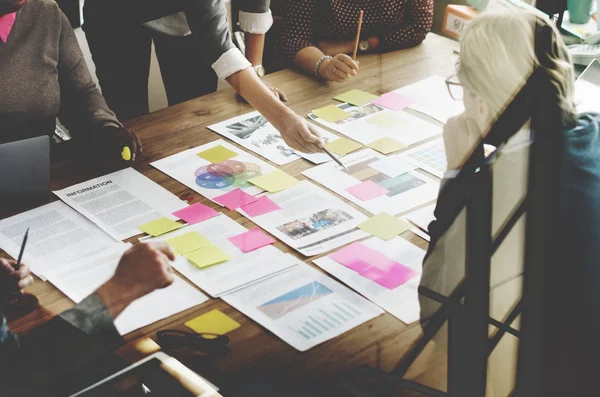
pixel 380 342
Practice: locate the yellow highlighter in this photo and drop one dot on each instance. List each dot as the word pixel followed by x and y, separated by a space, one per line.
pixel 126 153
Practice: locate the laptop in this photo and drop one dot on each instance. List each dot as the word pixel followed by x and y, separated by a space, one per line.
pixel 25 168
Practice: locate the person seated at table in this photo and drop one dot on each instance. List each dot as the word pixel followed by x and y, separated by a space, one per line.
pixel 318 36
pixel 44 76
pixel 32 364
pixel 498 53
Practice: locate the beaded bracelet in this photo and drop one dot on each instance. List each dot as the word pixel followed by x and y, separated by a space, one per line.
pixel 318 65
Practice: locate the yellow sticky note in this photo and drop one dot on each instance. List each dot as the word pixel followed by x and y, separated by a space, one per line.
pixel 188 242
pixel 386 145
pixel 213 322
pixel 275 181
pixel 356 97
pixel 342 146
pixel 159 227
pixel 385 226
pixel 385 120
pixel 217 154
pixel 208 256
pixel 331 113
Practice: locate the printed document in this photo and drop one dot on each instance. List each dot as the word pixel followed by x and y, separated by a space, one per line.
pixel 311 220
pixel 401 302
pixel 303 306
pixel 212 179
pixel 120 202
pixel 255 133
pixel 57 235
pixel 81 278
pixel 405 191
pixel 240 270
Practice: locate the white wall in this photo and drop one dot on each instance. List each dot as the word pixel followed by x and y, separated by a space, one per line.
pixel 157 97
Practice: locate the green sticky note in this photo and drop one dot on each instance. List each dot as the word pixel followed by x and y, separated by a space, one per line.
pixel 217 154
pixel 356 97
pixel 385 120
pixel 331 113
pixel 213 322
pixel 208 256
pixel 159 227
pixel 275 181
pixel 386 145
pixel 342 146
pixel 385 226
pixel 188 242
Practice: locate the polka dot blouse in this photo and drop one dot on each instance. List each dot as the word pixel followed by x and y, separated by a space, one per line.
pixel 397 23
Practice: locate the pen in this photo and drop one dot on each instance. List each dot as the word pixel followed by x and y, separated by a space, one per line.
pixel 335 158
pixel 23 244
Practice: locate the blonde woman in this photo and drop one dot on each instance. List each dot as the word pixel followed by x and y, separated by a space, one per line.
pixel 497 57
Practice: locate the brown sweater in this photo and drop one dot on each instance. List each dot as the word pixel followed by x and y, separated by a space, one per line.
pixel 43 75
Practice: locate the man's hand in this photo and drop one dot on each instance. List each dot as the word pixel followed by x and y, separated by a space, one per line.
pixel 143 269
pixel 12 280
pixel 339 69
pixel 461 136
pixel 118 138
pixel 300 135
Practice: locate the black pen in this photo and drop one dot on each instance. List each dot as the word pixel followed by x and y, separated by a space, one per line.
pixel 17 265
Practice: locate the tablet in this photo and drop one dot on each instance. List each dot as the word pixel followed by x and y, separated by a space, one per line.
pixel 158 375
pixel 591 73
pixel 587 89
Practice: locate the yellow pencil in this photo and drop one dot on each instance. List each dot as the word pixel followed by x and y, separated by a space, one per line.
pixel 360 20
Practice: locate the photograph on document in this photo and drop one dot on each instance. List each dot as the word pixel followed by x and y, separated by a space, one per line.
pixel 371 122
pixel 315 223
pixel 256 134
pixel 214 169
pixel 311 220
pixel 402 301
pixel 303 306
pixel 240 270
pixel 406 187
pixel 293 300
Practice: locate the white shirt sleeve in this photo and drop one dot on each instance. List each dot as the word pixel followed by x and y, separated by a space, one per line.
pixel 229 63
pixel 255 23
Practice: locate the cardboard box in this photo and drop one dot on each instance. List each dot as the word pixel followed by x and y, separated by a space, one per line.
pixel 456 19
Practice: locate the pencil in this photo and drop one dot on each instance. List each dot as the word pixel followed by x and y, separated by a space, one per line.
pixel 335 158
pixel 18 264
pixel 360 20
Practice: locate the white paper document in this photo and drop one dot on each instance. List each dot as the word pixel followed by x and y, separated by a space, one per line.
pixel 57 235
pixel 430 156
pixel 81 278
pixel 303 306
pixel 406 191
pixel 120 202
pixel 401 302
pixel 240 270
pixel 422 217
pixel 432 98
pixel 370 122
pixel 212 180
pixel 311 220
pixel 254 132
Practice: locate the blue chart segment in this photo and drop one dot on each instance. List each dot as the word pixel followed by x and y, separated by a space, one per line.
pixel 293 300
pixel 230 173
pixel 325 319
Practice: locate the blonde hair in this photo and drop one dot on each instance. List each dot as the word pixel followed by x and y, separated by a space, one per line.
pixel 497 56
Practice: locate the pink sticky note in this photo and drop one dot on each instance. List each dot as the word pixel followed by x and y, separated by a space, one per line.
pixel 262 206
pixel 390 277
pixel 394 101
pixel 249 241
pixel 367 190
pixel 196 213
pixel 359 257
pixel 235 199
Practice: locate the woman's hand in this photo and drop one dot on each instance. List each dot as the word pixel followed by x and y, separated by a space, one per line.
pixel 299 134
pixel 340 68
pixel 12 280
pixel 461 136
pixel 119 138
